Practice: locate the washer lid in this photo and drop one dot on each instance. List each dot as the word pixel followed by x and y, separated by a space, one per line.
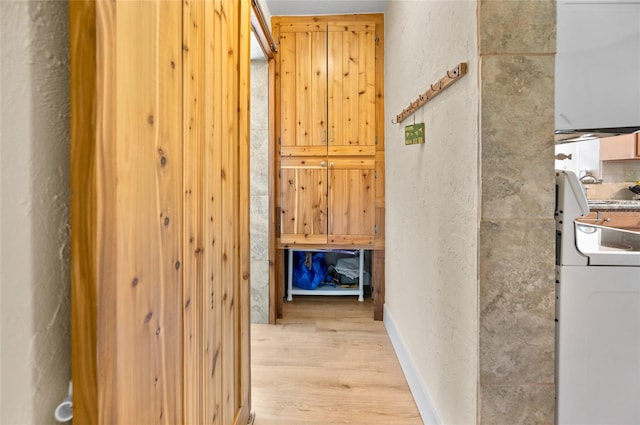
pixel 608 246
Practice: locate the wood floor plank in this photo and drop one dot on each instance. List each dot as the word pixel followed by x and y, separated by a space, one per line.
pixel 327 362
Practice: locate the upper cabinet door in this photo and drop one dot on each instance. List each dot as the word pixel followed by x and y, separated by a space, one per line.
pixel 351 88
pixel 303 68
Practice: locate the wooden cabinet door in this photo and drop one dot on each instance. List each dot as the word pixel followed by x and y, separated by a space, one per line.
pixel 351 201
pixel 351 88
pixel 303 76
pixel 303 201
pixel 618 147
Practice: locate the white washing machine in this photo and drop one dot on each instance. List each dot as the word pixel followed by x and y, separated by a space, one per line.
pixel 597 315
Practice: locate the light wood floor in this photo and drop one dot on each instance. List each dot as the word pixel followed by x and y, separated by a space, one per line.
pixel 327 363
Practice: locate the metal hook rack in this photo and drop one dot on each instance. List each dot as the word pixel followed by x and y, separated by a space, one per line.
pixel 435 89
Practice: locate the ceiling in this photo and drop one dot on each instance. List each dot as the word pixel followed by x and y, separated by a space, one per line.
pixel 324 7
pixel 317 7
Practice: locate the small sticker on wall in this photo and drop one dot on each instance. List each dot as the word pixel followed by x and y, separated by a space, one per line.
pixel 414 134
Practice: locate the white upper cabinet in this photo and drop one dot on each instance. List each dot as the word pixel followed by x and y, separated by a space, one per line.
pixel 597 64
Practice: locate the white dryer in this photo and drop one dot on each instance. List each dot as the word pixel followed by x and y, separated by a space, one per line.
pixel 597 315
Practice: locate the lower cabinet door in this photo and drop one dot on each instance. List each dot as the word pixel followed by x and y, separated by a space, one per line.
pixel 351 201
pixel 303 201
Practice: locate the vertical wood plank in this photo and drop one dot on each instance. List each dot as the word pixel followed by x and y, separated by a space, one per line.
pixel 229 210
pixel 213 200
pixel 106 177
pixel 378 272
pixel 335 76
pixel 303 109
pixel 169 172
pixel 287 98
pixel 243 382
pixel 350 60
pixel 366 87
pixel 193 240
pixel 85 172
pixel 378 284
pixel 147 314
pixel 276 284
pixel 318 89
pixel 273 228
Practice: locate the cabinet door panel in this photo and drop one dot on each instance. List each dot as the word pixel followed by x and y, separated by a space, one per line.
pixel 303 87
pixel 351 200
pixel 351 87
pixel 618 147
pixel 303 194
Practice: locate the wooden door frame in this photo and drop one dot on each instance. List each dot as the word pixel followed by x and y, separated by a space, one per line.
pixel 260 28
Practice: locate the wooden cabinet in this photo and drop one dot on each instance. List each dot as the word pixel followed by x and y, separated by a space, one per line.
pixel 625 146
pixel 327 201
pixel 328 98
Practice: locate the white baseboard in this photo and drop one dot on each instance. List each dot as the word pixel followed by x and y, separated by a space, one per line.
pixel 418 388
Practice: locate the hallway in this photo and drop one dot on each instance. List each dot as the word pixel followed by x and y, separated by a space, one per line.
pixel 327 362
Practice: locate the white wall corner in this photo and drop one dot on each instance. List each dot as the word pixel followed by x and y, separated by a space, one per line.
pixel 416 385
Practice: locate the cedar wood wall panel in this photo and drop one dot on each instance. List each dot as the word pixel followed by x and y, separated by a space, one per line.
pixel 160 241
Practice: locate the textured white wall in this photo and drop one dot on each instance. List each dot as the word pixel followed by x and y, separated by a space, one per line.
pixel 432 196
pixel 35 303
pixel 259 219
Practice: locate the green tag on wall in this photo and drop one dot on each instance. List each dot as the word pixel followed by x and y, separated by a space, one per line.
pixel 414 134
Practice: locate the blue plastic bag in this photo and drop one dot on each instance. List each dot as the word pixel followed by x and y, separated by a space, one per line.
pixel 308 278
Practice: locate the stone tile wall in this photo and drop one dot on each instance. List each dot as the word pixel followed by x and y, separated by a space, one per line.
pixel 259 192
pixel 516 260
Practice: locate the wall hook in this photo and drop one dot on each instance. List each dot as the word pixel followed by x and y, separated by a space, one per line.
pixel 435 89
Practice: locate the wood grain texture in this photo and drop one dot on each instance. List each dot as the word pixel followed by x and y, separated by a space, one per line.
pixel 378 284
pixel 328 362
pixel 303 67
pixel 355 128
pixel 193 304
pixel 160 248
pixel 84 268
pixel 345 56
pixel 273 274
pixel 351 199
pixel 351 74
pixel 304 200
pixel 378 272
